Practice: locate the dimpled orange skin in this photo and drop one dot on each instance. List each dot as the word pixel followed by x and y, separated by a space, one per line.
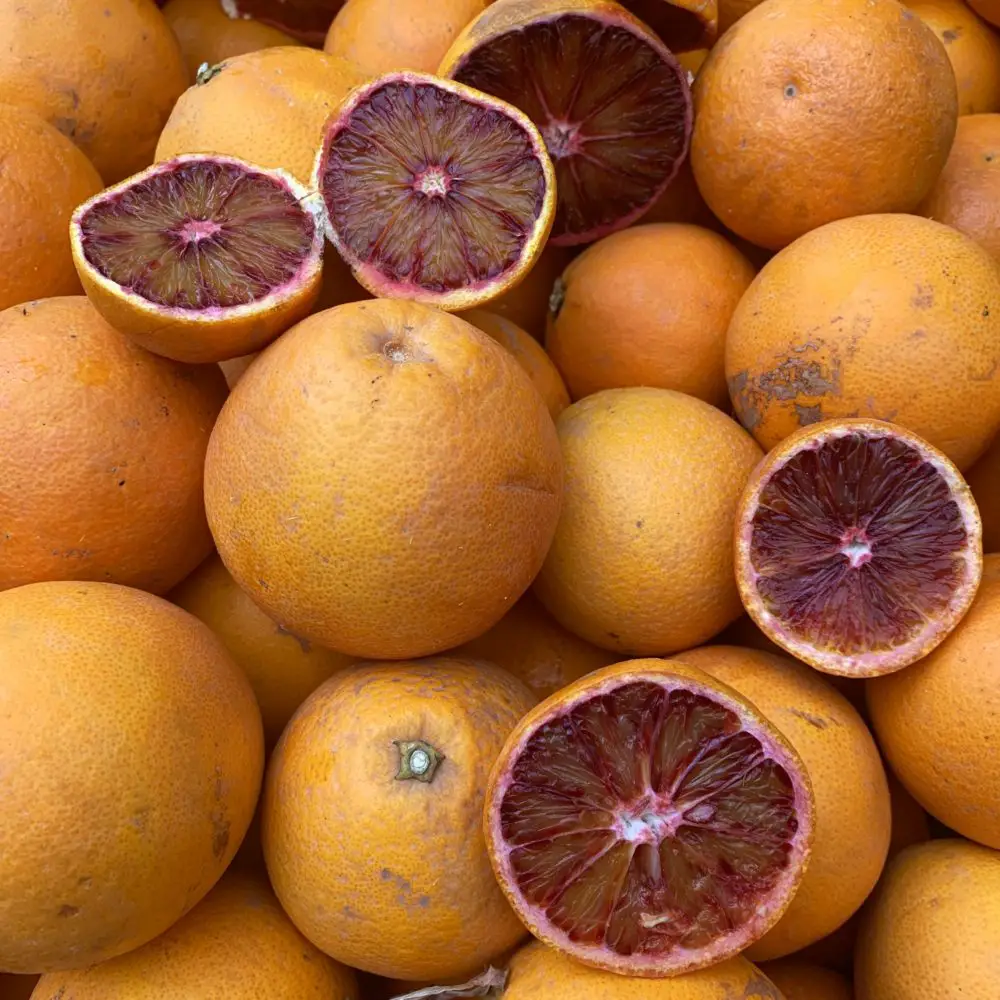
pixel 802 981
pixel 236 944
pixel 384 480
pixel 418 899
pixel 932 928
pixel 784 86
pixel 101 473
pixel 642 561
pixel 857 319
pixel 132 753
pixel 853 812
pixel 648 306
pixel 104 72
pixel 267 107
pixel 44 177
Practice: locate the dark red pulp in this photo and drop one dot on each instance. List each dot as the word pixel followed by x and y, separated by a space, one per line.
pixel 645 820
pixel 306 20
pixel 679 29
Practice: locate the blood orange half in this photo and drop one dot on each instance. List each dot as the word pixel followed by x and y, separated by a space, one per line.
pixel 611 101
pixel 434 192
pixel 858 546
pixel 648 820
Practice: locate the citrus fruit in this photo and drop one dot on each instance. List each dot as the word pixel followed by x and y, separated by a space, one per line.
pixel 730 11
pixel 989 10
pixel 306 20
pixel 642 560
pixel 681 202
pixel 648 306
pixel 683 25
pixel 611 102
pixel 909 821
pixel 132 754
pixel 104 445
pixel 401 798
pixel 802 981
pixel 885 316
pixel 858 547
pixel 648 820
pixel 853 814
pixel 785 85
pixel 527 303
pixel 836 950
pixel 44 177
pixel 266 107
pixel 283 668
pixel 991 568
pixel 16 987
pixel 932 928
pixel 984 480
pixel 935 722
pixel 366 472
pixel 201 258
pixel 105 73
pixel 234 368
pixel 380 36
pixel 434 192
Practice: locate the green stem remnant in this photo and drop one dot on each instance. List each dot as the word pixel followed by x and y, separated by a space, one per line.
pixel 417 760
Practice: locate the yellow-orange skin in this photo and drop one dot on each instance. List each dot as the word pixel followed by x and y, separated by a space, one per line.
pixel 802 981
pixel 853 813
pixel 104 72
pixel 931 930
pixel 527 303
pixel 417 899
pixel 649 306
pixel 384 480
pixel 102 469
pixel 44 177
pixel 236 943
pixel 785 85
pixel 987 9
pixel 642 560
pixel 856 319
pixel 132 754
pixel 267 107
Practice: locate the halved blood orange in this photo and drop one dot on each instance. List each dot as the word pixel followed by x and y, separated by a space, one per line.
pixel 648 820
pixel 611 101
pixel 858 546
pixel 434 192
pixel 201 258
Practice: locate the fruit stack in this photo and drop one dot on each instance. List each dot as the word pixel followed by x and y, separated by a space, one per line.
pixel 493 499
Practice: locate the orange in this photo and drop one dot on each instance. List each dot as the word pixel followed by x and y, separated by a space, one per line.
pixel 104 72
pixel 376 850
pixel 909 821
pixel 235 943
pixel 642 561
pixel 44 177
pixel 802 981
pixel 132 754
pixel 104 447
pixel 786 86
pixel 527 304
pixel 730 11
pixel 859 319
pixel 681 202
pixel 853 816
pixel 234 368
pixel 648 306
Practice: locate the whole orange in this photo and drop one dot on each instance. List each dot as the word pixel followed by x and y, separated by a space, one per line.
pixel 104 446
pixel 648 306
pixel 984 478
pixel 384 480
pixel 802 981
pixel 104 72
pixel 642 561
pixel 784 86
pixel 890 317
pixel 132 752
pixel 372 817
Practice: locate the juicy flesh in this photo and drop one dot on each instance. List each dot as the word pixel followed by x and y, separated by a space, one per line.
pixel 432 189
pixel 647 820
pixel 200 235
pixel 858 544
pixel 613 113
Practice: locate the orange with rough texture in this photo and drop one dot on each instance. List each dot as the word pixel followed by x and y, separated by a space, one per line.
pixel 890 317
pixel 802 981
pixel 43 178
pixel 642 561
pixel 236 943
pixel 104 446
pixel 984 479
pixel 987 9
pixel 104 72
pixel 783 88
pixel 132 754
pixel 527 303
pixel 853 815
pixel 401 800
pixel 283 668
pixel 933 926
pixel 267 107
pixel 648 306
pixel 384 480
